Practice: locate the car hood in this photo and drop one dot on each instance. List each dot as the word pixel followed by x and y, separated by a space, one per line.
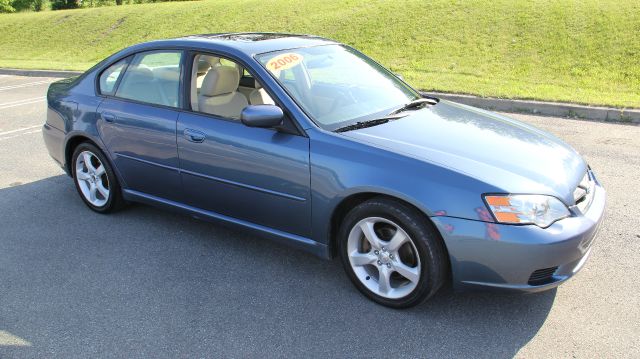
pixel 504 153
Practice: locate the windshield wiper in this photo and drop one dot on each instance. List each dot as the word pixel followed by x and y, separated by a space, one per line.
pixel 414 104
pixel 370 123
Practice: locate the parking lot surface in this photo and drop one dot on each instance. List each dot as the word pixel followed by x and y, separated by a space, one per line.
pixel 144 283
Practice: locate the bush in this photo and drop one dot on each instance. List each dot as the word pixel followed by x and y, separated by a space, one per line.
pixel 5 6
pixel 28 5
pixel 65 4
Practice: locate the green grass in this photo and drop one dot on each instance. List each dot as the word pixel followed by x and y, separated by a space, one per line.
pixel 582 51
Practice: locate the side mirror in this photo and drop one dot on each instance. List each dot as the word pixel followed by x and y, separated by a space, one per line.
pixel 265 116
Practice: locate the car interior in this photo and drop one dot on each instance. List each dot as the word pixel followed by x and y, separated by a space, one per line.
pixel 164 89
pixel 222 87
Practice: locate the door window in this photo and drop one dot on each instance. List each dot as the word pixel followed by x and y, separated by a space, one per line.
pixel 153 77
pixel 110 76
pixel 223 88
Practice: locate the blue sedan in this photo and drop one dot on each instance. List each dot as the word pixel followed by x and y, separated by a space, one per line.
pixel 310 142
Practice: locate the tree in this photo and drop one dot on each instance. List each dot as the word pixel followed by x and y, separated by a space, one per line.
pixel 5 6
pixel 20 5
pixel 64 4
pixel 38 5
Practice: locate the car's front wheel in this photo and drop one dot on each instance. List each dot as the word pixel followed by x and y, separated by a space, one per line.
pixel 392 253
pixel 95 180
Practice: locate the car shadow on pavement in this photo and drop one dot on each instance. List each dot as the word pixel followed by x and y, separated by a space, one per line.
pixel 148 283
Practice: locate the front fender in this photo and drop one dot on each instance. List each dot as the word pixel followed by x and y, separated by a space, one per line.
pixel 342 167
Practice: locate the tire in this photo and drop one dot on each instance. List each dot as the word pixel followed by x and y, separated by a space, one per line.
pixel 92 181
pixel 405 248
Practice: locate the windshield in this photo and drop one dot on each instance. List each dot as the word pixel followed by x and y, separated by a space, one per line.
pixel 336 85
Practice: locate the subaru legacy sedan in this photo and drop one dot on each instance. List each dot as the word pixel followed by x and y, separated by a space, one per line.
pixel 308 141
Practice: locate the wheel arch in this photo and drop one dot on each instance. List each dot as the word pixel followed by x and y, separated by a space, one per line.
pixel 351 201
pixel 70 146
pixel 74 140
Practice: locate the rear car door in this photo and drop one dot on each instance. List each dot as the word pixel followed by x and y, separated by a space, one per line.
pixel 253 174
pixel 138 121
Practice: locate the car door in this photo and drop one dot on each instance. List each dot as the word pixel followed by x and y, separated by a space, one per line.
pixel 138 122
pixel 252 174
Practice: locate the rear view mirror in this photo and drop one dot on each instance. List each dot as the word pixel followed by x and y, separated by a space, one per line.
pixel 265 116
pixel 320 62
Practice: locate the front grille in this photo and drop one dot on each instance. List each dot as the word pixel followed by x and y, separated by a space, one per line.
pixel 583 194
pixel 542 276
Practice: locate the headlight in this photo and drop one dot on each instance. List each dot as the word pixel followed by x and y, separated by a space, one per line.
pixel 526 209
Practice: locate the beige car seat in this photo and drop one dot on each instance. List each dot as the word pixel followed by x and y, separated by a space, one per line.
pixel 200 68
pixel 139 84
pixel 219 95
pixel 259 96
pixel 205 62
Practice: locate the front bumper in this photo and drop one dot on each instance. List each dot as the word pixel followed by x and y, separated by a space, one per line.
pixel 492 255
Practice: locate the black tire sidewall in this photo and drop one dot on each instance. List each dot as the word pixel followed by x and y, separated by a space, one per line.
pixel 424 237
pixel 114 188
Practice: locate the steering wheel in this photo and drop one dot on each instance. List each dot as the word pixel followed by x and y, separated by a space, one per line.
pixel 344 97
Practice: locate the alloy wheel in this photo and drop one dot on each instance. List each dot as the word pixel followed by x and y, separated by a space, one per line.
pixel 384 257
pixel 92 179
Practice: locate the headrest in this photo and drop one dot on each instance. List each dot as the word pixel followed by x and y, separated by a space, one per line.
pixel 205 62
pixel 220 80
pixel 139 73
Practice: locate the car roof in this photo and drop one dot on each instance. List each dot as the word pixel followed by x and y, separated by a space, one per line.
pixel 250 43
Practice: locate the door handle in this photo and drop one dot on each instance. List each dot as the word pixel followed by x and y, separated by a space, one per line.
pixel 194 136
pixel 108 116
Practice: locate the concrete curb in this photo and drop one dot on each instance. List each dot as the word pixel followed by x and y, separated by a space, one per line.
pixel 556 109
pixel 39 73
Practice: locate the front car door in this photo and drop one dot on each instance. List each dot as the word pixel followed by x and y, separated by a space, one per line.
pixel 252 174
pixel 138 121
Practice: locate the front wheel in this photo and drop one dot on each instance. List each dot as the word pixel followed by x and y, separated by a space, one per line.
pixel 392 253
pixel 95 180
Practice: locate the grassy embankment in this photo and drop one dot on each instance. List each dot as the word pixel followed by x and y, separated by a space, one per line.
pixel 583 51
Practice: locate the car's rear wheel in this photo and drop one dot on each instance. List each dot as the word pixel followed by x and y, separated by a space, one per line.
pixel 392 253
pixel 95 180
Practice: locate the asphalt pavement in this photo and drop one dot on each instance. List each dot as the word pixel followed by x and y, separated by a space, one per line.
pixel 144 283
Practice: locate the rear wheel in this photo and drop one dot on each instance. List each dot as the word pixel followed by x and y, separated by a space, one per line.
pixel 392 253
pixel 95 180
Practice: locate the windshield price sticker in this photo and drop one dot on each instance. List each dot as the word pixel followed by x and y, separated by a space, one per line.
pixel 284 62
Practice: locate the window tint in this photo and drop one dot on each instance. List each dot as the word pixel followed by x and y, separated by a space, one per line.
pixel 153 77
pixel 110 76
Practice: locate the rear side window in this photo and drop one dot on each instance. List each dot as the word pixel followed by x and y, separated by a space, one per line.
pixel 153 77
pixel 110 76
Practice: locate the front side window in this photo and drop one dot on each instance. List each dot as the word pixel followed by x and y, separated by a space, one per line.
pixel 153 77
pixel 337 86
pixel 221 87
pixel 110 76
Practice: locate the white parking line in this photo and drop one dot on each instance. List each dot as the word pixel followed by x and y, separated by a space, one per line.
pixel 21 134
pixel 3 76
pixel 19 129
pixel 11 87
pixel 7 339
pixel 21 102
